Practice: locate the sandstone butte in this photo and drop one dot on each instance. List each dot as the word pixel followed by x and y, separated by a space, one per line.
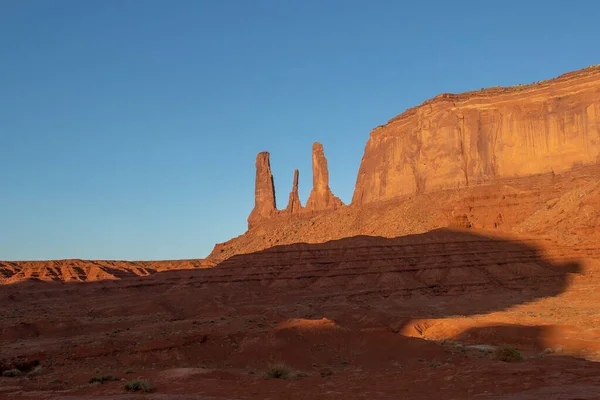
pixel 462 140
pixel 453 142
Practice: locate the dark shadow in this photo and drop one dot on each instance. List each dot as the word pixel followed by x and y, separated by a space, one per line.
pixel 436 274
pixel 432 275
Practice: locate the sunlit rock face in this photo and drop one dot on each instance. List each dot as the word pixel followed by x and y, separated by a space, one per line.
pixel 454 141
pixel 264 193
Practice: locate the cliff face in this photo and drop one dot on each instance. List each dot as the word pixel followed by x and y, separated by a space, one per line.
pixel 463 140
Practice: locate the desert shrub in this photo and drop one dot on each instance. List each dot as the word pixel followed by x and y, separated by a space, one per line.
pixel 102 379
pixel 11 373
pixel 279 371
pixel 139 385
pixel 35 371
pixel 325 372
pixel 508 354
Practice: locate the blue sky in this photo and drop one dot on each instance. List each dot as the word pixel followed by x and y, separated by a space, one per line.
pixel 129 129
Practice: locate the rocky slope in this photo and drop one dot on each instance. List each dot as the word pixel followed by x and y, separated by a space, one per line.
pixel 562 207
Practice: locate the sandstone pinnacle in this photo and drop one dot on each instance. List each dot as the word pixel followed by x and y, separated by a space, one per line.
pixel 294 206
pixel 264 192
pixel 321 197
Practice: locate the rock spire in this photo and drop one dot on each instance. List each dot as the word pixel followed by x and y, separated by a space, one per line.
pixel 264 192
pixel 294 206
pixel 321 197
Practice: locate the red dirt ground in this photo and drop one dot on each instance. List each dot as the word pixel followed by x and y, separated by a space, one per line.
pixel 363 317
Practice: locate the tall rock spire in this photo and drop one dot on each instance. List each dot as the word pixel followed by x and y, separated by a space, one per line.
pixel 321 197
pixel 294 206
pixel 264 192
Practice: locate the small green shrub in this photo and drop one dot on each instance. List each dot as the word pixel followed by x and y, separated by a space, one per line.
pixel 94 379
pixel 139 385
pixel 325 372
pixel 508 354
pixel 12 373
pixel 279 371
pixel 102 379
pixel 35 371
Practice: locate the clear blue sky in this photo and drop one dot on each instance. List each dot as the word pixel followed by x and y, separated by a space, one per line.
pixel 129 129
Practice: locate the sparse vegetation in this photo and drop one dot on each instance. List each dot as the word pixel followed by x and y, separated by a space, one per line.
pixel 129 370
pixel 139 385
pixel 508 354
pixel 102 379
pixel 35 371
pixel 12 373
pixel 279 371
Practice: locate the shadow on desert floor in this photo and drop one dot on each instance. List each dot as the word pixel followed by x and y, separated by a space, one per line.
pixel 339 313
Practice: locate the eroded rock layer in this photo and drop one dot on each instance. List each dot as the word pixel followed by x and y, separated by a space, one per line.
pixel 75 270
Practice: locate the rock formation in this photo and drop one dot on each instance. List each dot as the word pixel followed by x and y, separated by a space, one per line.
pixel 321 197
pixel 454 141
pixel 294 206
pixel 463 140
pixel 264 192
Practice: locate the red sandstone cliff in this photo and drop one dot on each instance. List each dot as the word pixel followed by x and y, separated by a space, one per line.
pixel 499 158
pixel 462 140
